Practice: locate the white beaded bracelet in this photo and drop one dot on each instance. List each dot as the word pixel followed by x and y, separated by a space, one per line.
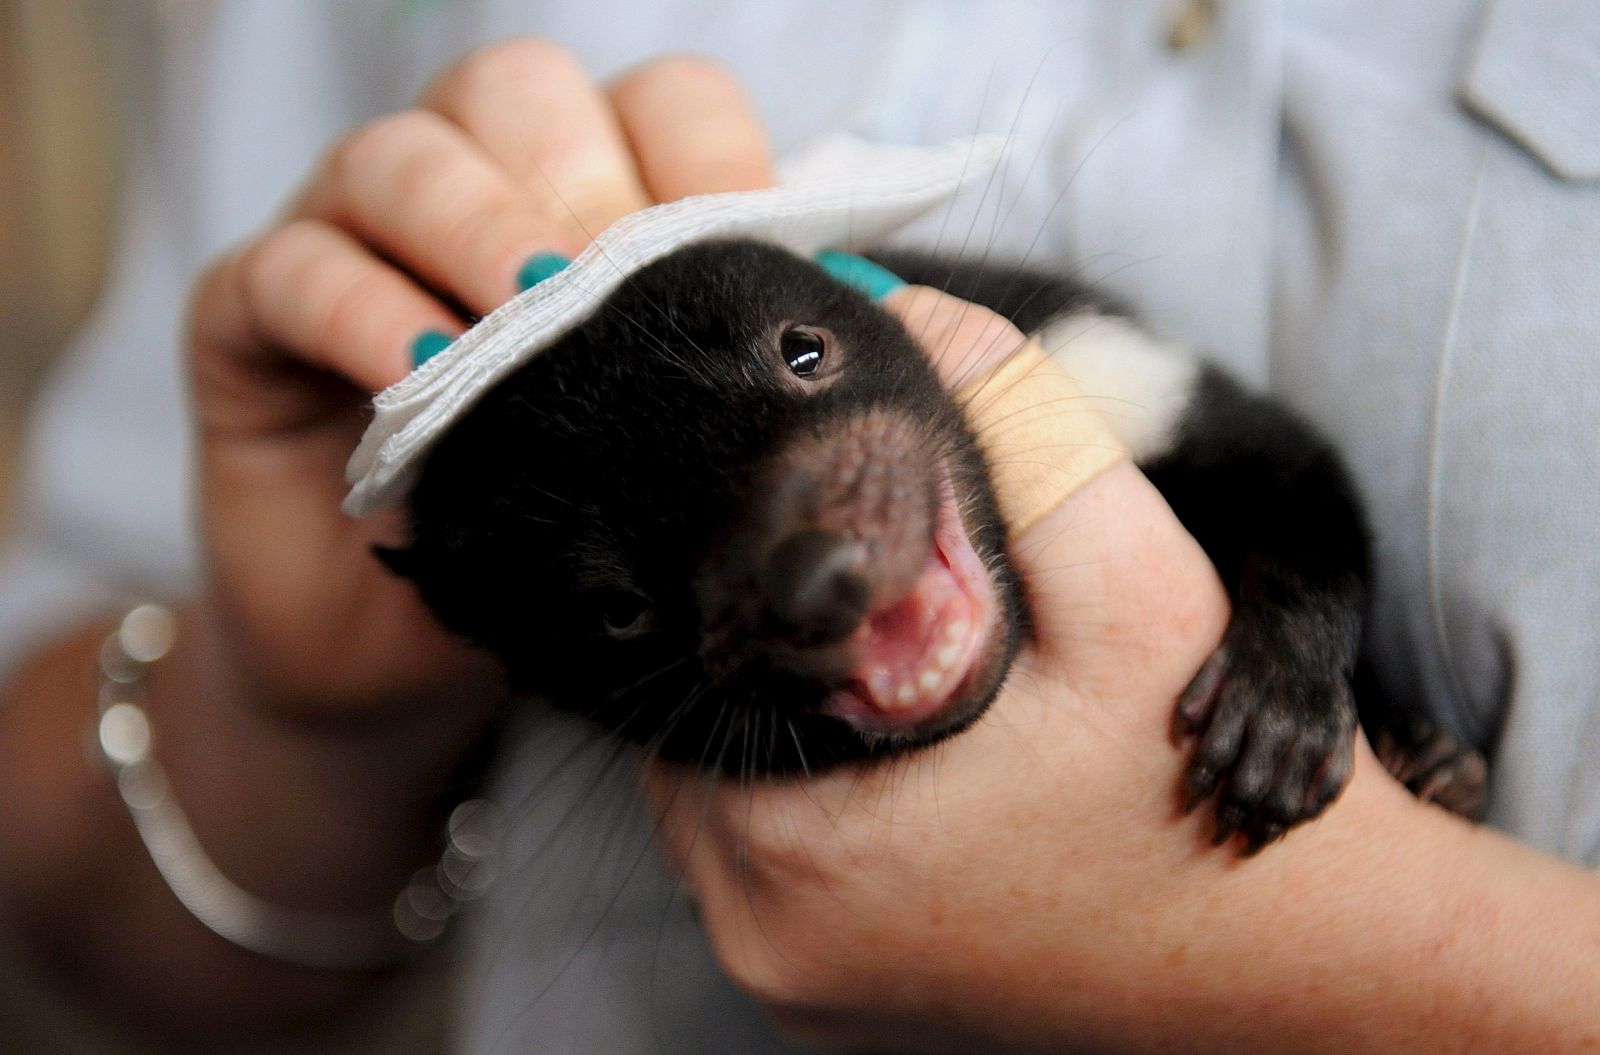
pixel 465 869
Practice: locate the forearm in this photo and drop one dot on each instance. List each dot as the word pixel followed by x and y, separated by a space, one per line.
pixel 1388 926
pixel 328 818
pixel 1397 927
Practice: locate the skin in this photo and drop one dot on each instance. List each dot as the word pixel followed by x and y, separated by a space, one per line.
pixel 312 713
pixel 1033 883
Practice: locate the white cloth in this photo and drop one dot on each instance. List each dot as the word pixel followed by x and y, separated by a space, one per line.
pixel 841 190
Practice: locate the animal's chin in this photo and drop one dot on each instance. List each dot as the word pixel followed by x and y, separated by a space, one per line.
pixel 928 661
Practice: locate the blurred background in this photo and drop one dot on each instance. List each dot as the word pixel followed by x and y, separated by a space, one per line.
pixel 60 65
pixel 67 72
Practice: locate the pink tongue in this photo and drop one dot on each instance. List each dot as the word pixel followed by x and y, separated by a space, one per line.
pixel 917 652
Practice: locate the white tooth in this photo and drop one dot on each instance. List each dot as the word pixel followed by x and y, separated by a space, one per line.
pixel 957 630
pixel 929 680
pixel 946 656
pixel 907 693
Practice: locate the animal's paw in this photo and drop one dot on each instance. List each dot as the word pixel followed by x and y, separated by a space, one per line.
pixel 1434 764
pixel 1275 727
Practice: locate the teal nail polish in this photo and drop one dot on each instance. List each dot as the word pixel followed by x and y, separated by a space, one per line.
pixel 428 344
pixel 859 272
pixel 539 267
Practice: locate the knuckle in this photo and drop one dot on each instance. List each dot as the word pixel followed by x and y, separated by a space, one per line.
pixel 590 203
pixel 208 311
pixel 475 234
pixel 699 73
pixel 776 980
pixel 376 144
pixel 275 263
pixel 494 70
pixel 351 310
pixel 210 287
pixel 777 851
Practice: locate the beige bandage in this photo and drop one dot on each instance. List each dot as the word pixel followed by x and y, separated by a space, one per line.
pixel 1040 431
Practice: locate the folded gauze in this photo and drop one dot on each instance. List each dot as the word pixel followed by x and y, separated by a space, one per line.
pixel 839 194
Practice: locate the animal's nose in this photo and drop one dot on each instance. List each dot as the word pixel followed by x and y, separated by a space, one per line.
pixel 817 592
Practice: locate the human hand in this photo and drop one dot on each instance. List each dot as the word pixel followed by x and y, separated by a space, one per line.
pixel 312 719
pixel 409 226
pixel 1071 757
pixel 1032 882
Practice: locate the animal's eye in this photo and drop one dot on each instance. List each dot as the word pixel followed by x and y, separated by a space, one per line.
pixel 802 350
pixel 626 614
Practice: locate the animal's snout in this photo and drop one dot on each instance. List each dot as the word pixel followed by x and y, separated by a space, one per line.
pixel 839 526
pixel 816 587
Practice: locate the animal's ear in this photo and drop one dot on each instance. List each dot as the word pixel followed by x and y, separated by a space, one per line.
pixel 403 562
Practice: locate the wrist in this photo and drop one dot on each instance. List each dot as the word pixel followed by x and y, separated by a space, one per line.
pixel 1389 925
pixel 318 812
pixel 79 890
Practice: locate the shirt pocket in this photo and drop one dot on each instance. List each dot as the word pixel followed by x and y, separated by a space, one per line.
pixel 1535 76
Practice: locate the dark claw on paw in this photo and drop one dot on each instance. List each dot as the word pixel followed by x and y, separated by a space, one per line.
pixel 1262 837
pixel 1437 766
pixel 1202 782
pixel 1275 738
pixel 1223 833
pixel 1194 707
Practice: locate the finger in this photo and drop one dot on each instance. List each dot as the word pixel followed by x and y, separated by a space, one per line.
pixel 537 114
pixel 963 340
pixel 318 292
pixel 307 293
pixel 693 820
pixel 423 193
pixel 692 128
pixel 1042 438
pixel 668 800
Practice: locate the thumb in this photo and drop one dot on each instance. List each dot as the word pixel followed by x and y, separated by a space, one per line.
pixel 1111 575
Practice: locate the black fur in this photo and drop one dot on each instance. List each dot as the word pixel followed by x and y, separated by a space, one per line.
pixel 1276 513
pixel 638 460
pixel 1274 711
pixel 605 521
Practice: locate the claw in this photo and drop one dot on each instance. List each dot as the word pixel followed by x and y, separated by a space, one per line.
pixel 1435 765
pixel 1197 700
pixel 1223 833
pixel 1273 724
pixel 1263 837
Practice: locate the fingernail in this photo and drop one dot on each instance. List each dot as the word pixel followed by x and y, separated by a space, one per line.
pixel 859 273
pixel 539 267
pixel 428 344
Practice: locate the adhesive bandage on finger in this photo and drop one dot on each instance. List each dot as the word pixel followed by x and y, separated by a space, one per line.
pixel 1040 431
pixel 840 193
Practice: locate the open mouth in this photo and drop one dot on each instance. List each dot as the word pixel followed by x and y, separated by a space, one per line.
pixel 922 655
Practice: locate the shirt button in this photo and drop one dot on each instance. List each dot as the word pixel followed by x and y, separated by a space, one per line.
pixel 1192 23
